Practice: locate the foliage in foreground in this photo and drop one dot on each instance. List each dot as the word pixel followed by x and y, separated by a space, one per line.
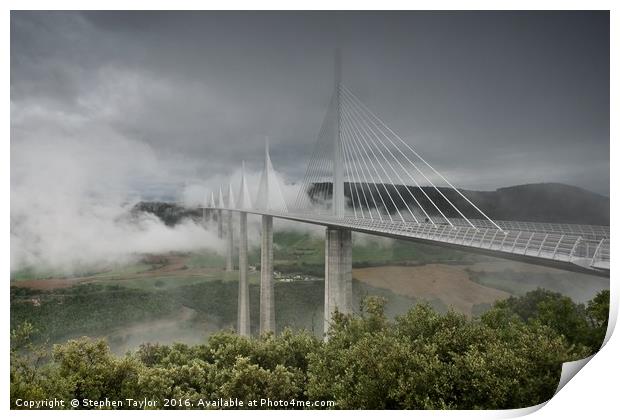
pixel 510 357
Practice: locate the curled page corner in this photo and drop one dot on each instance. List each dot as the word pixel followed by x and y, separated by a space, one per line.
pixel 520 412
pixel 570 369
pixel 612 317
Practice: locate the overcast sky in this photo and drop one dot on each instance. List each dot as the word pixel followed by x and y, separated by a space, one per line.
pixel 152 100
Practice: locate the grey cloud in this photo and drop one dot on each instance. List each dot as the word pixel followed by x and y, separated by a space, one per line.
pixel 111 107
pixel 466 89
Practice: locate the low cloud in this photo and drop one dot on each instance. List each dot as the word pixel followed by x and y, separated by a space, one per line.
pixel 72 192
pixel 111 108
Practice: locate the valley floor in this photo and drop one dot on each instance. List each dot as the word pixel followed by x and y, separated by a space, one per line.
pixel 186 297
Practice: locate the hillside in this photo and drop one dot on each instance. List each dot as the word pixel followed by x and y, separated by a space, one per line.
pixel 546 202
pixel 169 213
pixel 550 202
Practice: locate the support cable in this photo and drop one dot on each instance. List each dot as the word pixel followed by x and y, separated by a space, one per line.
pixel 430 182
pixel 348 152
pixel 355 168
pixel 357 144
pixel 360 118
pixel 360 160
pixel 303 192
pixel 350 170
pixel 346 169
pixel 350 122
pixel 425 162
pixel 352 127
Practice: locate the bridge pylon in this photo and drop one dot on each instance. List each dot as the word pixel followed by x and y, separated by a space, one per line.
pixel 220 220
pixel 267 301
pixel 338 247
pixel 229 231
pixel 269 198
pixel 337 158
pixel 243 304
pixel 338 274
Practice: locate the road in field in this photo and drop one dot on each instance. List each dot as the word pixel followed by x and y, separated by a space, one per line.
pixel 448 283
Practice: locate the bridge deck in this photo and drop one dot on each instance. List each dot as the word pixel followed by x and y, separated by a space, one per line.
pixel 579 248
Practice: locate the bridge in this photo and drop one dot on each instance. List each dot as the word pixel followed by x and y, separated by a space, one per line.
pixel 364 177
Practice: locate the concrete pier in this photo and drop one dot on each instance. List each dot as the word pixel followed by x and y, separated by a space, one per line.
pixel 220 225
pixel 267 304
pixel 338 266
pixel 229 240
pixel 243 302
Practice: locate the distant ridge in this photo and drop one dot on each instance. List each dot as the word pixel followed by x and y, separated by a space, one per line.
pixel 545 202
pixel 169 213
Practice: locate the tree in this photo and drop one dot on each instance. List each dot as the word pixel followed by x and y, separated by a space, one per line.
pixel 597 312
pixel 509 357
pixel 32 377
pixel 581 326
pixel 93 371
pixel 428 360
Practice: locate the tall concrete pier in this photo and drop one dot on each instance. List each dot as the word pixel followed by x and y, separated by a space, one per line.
pixel 269 198
pixel 338 248
pixel 229 240
pixel 267 307
pixel 220 215
pixel 338 267
pixel 243 302
pixel 229 232
pixel 204 212
pixel 208 214
pixel 220 225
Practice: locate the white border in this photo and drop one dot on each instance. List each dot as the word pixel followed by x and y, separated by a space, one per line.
pixel 591 394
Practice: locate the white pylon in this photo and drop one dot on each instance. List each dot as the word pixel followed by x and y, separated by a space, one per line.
pixel 270 195
pixel 337 158
pixel 220 199
pixel 231 197
pixel 244 200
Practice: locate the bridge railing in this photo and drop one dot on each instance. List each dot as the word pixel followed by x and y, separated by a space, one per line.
pixel 586 231
pixel 594 253
pixel 548 245
pixel 590 232
pixel 557 246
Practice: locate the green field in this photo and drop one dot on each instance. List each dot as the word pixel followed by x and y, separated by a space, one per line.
pixel 104 309
pixel 304 253
pixel 188 296
pixel 578 287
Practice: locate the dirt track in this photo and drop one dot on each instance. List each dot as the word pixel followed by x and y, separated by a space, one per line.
pixel 448 283
pixel 172 265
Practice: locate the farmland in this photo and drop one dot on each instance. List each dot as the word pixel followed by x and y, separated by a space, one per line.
pixel 188 296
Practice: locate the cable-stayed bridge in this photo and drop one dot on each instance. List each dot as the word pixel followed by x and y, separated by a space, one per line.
pixel 364 177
